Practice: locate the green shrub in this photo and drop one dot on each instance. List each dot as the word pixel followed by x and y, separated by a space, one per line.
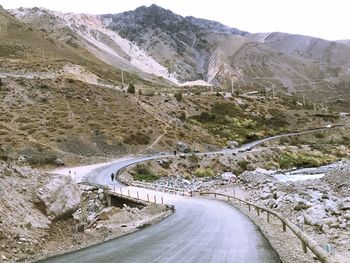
pixel 178 96
pixel 242 164
pixel 300 160
pixel 131 88
pixel 204 172
pixel 143 173
pixel 205 117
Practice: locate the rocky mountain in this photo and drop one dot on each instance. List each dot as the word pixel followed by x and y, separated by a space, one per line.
pixel 161 46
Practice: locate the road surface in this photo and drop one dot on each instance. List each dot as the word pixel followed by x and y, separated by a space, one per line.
pixel 200 230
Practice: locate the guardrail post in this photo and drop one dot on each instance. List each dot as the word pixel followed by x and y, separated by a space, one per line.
pixel 137 193
pixel 162 200
pixel 284 226
pixel 215 195
pixel 249 207
pixel 258 211
pixel 147 198
pixel 228 198
pixel 128 192
pixel 268 217
pixel 121 192
pixel 155 199
pixel 303 244
pixel 114 188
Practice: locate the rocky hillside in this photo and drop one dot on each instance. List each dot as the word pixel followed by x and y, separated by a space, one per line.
pixel 164 47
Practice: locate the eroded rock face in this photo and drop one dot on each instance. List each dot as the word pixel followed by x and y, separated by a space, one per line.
pixel 59 198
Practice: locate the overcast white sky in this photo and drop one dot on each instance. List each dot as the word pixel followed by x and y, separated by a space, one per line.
pixel 329 19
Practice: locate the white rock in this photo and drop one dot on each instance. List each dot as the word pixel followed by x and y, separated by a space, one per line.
pixel 60 197
pixel 329 220
pixel 314 215
pixel 99 226
pixel 347 215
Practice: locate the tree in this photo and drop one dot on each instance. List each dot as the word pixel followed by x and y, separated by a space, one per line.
pixel 178 96
pixel 131 89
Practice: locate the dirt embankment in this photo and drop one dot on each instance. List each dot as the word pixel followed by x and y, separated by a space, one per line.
pixel 44 214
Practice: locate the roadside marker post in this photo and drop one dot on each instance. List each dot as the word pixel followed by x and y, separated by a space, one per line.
pixel 232 179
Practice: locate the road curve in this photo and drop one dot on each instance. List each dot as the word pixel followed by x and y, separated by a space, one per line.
pixel 200 230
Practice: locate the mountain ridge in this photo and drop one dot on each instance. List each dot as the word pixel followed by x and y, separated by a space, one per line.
pixel 153 41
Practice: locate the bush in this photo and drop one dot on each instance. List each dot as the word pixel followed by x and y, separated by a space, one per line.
pixel 204 172
pixel 140 92
pixel 178 96
pixel 144 173
pixel 300 160
pixel 131 88
pixel 206 116
pixel 242 164
pixel 182 116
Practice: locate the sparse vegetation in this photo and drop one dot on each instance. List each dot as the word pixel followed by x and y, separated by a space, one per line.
pixel 143 173
pixel 178 96
pixel 131 88
pixel 299 160
pixel 204 172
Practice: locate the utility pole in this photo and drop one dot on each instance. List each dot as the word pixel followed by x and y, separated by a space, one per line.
pixel 231 85
pixel 304 99
pixel 122 79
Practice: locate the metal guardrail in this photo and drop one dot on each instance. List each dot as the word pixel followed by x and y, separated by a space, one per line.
pixel 161 188
pixel 321 254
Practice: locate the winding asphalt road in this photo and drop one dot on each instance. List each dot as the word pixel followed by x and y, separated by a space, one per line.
pixel 200 230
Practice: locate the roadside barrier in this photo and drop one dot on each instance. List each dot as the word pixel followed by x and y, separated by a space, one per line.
pixel 162 188
pixel 321 254
pixel 126 193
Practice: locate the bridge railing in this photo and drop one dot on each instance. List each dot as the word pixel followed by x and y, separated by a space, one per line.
pixel 307 242
pixel 126 193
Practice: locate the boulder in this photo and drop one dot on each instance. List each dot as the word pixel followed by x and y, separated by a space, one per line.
pixel 347 215
pixel 182 147
pixel 228 175
pixel 271 203
pixel 265 195
pixel 164 163
pixel 344 204
pixel 59 198
pixel 232 144
pixel 330 206
pixel 314 215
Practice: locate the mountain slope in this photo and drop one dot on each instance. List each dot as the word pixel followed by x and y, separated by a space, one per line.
pixel 158 45
pixel 320 50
